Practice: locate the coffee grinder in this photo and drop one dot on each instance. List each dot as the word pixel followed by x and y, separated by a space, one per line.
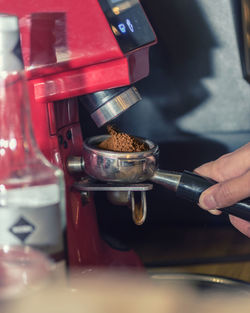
pixel 81 53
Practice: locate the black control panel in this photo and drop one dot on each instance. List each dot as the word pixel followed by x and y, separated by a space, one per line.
pixel 128 23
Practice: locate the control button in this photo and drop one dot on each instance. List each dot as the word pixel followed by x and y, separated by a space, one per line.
pixel 69 134
pixel 60 139
pixel 122 28
pixel 65 144
pixel 130 25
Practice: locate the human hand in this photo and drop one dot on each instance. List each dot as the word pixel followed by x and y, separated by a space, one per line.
pixel 232 172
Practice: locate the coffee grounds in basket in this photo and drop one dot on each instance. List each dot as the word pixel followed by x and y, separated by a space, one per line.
pixel 122 142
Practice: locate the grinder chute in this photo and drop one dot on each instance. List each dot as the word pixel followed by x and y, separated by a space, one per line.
pixel 106 105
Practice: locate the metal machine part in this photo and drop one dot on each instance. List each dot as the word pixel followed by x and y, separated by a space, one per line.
pixel 75 164
pixel 202 283
pixel 119 167
pixel 136 167
pixel 106 105
pixel 169 179
pixel 139 207
pixel 130 195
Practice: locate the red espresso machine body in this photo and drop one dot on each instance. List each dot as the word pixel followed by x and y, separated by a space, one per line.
pixel 72 49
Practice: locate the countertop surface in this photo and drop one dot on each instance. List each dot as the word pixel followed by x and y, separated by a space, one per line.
pixel 220 251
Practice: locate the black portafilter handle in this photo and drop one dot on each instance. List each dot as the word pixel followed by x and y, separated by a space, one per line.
pixel 189 186
pixel 192 185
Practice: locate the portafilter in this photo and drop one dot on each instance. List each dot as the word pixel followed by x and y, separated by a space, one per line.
pixel 137 167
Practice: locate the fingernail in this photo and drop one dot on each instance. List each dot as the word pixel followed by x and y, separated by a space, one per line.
pixel 208 202
pixel 215 212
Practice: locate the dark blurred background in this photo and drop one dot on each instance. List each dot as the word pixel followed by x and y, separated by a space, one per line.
pixel 196 106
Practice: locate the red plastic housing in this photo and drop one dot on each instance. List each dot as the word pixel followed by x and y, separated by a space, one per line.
pixel 69 50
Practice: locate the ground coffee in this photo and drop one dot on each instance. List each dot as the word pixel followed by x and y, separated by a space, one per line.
pixel 122 142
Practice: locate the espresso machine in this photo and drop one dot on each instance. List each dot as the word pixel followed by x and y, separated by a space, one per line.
pixel 83 53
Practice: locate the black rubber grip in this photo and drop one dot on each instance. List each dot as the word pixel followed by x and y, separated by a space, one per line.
pixel 192 185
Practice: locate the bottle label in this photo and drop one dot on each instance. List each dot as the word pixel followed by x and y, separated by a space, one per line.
pixel 40 226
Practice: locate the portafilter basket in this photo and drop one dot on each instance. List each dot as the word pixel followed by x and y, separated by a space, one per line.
pixel 126 169
pixel 119 167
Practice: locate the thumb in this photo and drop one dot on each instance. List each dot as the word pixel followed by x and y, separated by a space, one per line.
pixel 226 193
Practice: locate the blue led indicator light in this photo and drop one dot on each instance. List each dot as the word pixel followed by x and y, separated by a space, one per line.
pixel 122 28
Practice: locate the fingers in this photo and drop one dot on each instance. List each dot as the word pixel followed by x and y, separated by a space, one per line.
pixel 228 166
pixel 226 193
pixel 232 171
pixel 241 225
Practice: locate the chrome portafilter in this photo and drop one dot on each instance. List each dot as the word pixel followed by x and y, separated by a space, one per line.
pixel 121 174
pixel 128 172
pixel 119 167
